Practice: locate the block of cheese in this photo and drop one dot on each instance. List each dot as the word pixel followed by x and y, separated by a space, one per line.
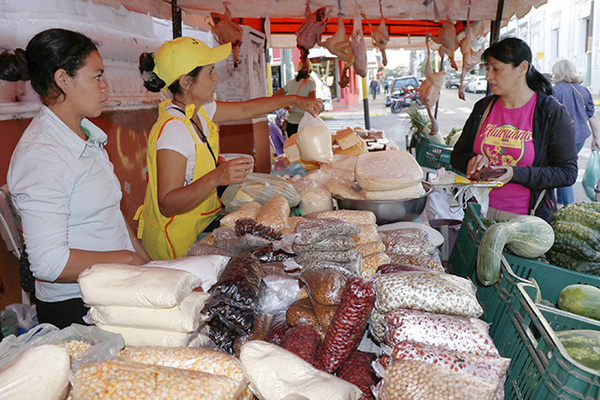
pixel 410 192
pixel 387 170
pixel 357 149
pixel 290 149
pixel 346 138
pixel 344 161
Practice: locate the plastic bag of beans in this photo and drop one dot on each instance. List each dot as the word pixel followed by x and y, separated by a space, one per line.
pixel 347 269
pixel 417 259
pixel 253 227
pixel 324 314
pixel 222 335
pixel 435 292
pixel 302 341
pixel 336 256
pixel 268 254
pixel 332 243
pixel 239 283
pixel 357 217
pixel 301 312
pixel 395 267
pixel 278 328
pixel 462 334
pixel 376 325
pixel 492 369
pixel 348 324
pixel 420 380
pixel 315 230
pixel 408 245
pixel 324 286
pixel 357 370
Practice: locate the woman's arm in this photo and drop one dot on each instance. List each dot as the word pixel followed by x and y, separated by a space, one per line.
pixel 137 244
pixel 595 128
pixel 174 198
pixel 236 111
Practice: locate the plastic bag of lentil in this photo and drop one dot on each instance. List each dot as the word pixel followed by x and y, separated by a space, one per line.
pixel 347 269
pixel 462 334
pixel 324 286
pixel 420 380
pixel 435 292
pixel 348 324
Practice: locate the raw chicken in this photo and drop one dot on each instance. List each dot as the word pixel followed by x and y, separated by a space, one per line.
pixel 470 58
pixel 429 92
pixel 227 31
pixel 448 41
pixel 359 48
pixel 339 45
pixel 309 33
pixel 379 36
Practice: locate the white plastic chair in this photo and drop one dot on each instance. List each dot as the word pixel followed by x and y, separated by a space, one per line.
pixel 9 230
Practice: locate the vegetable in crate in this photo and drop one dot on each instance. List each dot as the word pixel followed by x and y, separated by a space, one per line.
pixel 577 244
pixel 583 346
pixel 526 235
pixel 580 299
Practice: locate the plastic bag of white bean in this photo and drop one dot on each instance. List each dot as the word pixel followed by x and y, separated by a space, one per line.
pixel 408 245
pixel 426 291
pixel 420 380
pixel 315 230
pixel 463 334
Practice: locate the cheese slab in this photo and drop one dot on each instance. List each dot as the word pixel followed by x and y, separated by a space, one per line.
pixel 387 170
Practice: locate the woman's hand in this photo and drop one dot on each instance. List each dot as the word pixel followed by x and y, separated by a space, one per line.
pixel 508 175
pixel 234 171
pixel 475 164
pixel 311 106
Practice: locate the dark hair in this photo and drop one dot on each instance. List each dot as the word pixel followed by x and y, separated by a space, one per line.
pixel 152 82
pixel 302 75
pixel 46 53
pixel 512 50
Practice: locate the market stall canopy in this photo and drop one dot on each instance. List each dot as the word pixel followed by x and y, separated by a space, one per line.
pixel 405 19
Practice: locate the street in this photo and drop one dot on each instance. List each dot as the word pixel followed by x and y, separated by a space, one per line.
pixel 452 113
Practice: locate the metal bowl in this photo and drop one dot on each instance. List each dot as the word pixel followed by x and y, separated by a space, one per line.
pixel 388 211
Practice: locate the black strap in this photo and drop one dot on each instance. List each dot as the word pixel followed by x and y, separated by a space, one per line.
pixel 204 139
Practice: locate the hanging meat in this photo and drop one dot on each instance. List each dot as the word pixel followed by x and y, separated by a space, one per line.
pixel 339 45
pixel 379 36
pixel 470 57
pixel 309 33
pixel 227 31
pixel 359 48
pixel 448 41
pixel 429 92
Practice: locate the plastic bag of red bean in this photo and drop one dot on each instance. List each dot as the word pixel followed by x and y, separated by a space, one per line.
pixel 395 267
pixel 348 325
pixel 278 328
pixel 302 341
pixel 357 370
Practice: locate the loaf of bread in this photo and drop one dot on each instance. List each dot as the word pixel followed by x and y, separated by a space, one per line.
pixel 387 170
pixel 410 192
pixel 346 138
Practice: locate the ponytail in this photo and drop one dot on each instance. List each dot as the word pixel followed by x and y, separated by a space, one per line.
pixel 151 81
pixel 538 82
pixel 13 67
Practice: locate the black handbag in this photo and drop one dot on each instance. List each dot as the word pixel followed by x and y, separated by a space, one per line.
pixel 26 277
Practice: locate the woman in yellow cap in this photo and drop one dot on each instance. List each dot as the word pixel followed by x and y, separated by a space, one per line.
pixel 183 148
pixel 302 85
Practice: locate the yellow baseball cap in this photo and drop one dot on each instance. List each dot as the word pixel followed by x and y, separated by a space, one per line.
pixel 182 55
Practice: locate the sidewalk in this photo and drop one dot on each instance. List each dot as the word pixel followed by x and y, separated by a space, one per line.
pixel 377 108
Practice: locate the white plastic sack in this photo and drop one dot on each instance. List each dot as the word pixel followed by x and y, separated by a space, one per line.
pixel 39 373
pixel 206 268
pixel 184 317
pixel 153 337
pixel 438 205
pixel 135 286
pixel 314 140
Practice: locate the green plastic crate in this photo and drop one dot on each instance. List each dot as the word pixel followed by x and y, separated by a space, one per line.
pixel 431 155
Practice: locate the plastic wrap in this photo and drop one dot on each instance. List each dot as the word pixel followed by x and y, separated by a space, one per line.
pixel 419 380
pixel 372 262
pixel 246 210
pixel 435 292
pixel 274 213
pixel 259 331
pixel 357 217
pixel 324 286
pixel 357 370
pixel 301 312
pixel 416 259
pixel 408 245
pixel 332 243
pixel 118 379
pixel 277 293
pixel 315 230
pixel 226 239
pixel 348 325
pixel 253 227
pixel 368 233
pixel 259 187
pixel 240 319
pixel 239 283
pixel 462 334
pixel 395 267
pixel 349 269
pixel 222 336
pixel 278 328
pixel 492 369
pixel 344 256
pixel 369 248
pixel 303 341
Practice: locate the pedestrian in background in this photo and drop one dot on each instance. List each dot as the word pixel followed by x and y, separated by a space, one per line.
pixel 580 104
pixel 373 87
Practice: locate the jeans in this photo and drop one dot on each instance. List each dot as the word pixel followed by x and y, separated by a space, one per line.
pixel 564 195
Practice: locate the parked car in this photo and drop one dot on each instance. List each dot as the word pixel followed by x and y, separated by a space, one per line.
pixel 452 81
pixel 406 82
pixel 476 85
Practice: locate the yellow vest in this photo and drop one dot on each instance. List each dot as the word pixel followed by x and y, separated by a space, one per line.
pixel 167 238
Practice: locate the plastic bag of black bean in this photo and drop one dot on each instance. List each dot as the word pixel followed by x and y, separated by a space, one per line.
pixel 240 281
pixel 348 325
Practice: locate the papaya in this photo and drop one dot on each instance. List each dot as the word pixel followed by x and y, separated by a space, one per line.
pixel 580 299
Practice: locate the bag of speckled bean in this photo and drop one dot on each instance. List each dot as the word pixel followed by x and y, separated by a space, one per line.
pixel 420 380
pixel 435 292
pixel 463 334
pixel 492 369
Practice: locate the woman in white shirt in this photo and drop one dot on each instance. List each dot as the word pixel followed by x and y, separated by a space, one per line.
pixel 60 178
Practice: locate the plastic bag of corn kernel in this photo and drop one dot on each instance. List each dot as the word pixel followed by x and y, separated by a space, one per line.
pixel 462 334
pixel 434 292
pixel 274 213
pixel 369 248
pixel 420 380
pixel 492 369
pixel 372 262
pixel 368 233
pixel 119 379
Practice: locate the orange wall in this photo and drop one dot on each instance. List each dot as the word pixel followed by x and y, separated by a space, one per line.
pixel 127 139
